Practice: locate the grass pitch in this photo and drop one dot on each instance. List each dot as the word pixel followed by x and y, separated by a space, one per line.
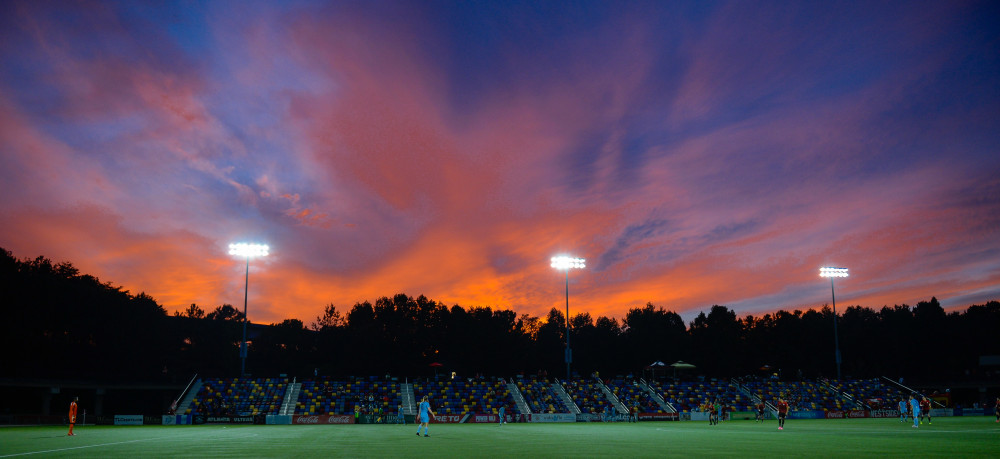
pixel 946 437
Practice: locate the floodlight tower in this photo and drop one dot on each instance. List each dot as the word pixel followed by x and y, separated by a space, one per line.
pixel 566 263
pixel 247 251
pixel 832 273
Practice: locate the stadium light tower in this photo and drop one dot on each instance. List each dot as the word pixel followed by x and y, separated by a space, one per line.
pixel 247 251
pixel 566 263
pixel 833 273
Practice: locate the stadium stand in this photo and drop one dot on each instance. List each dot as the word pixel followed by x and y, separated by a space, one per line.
pixel 329 396
pixel 539 396
pixel 688 396
pixel 870 392
pixel 460 396
pixel 242 397
pixel 632 394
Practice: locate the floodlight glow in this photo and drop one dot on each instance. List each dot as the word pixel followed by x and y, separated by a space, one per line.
pixel 564 262
pixel 249 250
pixel 832 272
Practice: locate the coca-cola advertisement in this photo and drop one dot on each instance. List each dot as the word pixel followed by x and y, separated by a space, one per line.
pixel 323 419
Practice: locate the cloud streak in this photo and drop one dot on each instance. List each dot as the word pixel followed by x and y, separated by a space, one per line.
pixel 695 154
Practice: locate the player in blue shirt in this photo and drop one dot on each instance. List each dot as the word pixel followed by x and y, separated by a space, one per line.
pixel 916 410
pixel 425 416
pixel 503 410
pixel 902 410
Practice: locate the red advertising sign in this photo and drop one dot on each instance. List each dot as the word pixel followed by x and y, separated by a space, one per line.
pixel 323 419
pixel 857 414
pixel 834 414
pixel 485 418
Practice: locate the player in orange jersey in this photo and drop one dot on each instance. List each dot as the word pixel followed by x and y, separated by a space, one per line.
pixel 72 414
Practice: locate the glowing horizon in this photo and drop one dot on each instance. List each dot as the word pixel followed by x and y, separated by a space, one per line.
pixel 697 154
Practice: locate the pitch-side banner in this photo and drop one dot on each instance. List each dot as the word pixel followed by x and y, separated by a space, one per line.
pixel 450 418
pixel 323 419
pixel 551 417
pixel 128 419
pixel 659 417
pixel 486 418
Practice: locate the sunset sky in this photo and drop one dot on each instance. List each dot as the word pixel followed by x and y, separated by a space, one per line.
pixel 695 153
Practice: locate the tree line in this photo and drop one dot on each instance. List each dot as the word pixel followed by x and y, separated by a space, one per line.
pixel 63 324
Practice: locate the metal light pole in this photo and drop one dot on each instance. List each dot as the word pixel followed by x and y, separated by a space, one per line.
pixel 247 251
pixel 566 263
pixel 832 273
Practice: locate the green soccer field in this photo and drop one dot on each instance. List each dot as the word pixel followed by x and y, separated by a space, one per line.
pixel 950 437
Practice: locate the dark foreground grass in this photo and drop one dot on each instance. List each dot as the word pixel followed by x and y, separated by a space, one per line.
pixel 947 437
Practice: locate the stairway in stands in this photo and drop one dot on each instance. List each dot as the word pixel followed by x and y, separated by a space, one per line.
pixel 558 388
pixel 291 399
pixel 185 405
pixel 522 404
pixel 666 406
pixel 619 406
pixel 409 401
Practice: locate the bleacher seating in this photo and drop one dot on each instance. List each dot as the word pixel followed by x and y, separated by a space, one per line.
pixel 460 396
pixel 631 394
pixel 800 395
pixel 242 396
pixel 329 396
pixel 871 392
pixel 688 396
pixel 540 397
pixel 587 395
pixel 237 396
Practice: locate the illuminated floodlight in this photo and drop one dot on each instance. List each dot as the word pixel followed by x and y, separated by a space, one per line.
pixel 832 272
pixel 564 262
pixel 243 249
pixel 567 263
pixel 248 251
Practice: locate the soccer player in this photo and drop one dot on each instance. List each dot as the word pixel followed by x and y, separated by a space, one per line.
pixel 996 409
pixel 425 409
pixel 925 410
pixel 503 410
pixel 915 405
pixel 902 410
pixel 760 411
pixel 72 414
pixel 782 412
